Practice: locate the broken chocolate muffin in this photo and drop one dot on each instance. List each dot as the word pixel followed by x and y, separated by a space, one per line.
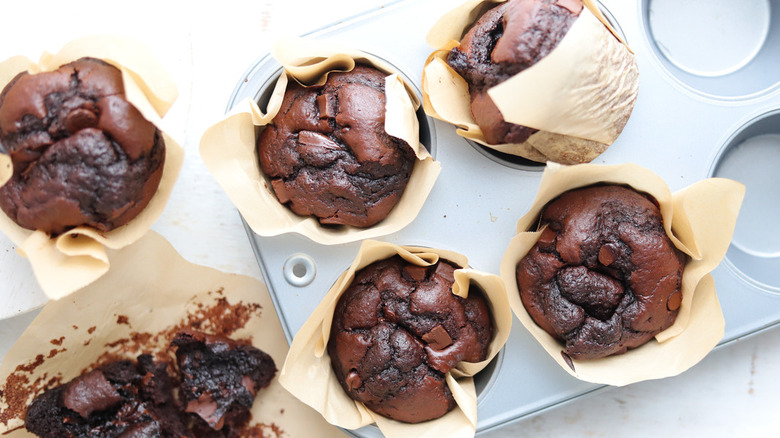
pixel 81 153
pixel 327 152
pixel 398 330
pixel 121 399
pixel 604 277
pixel 219 380
pixel 506 40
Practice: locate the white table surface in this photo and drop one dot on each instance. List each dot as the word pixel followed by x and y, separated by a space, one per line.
pixel 206 47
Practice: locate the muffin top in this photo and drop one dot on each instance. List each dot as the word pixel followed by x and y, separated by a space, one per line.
pixel 398 329
pixel 81 153
pixel 328 155
pixel 603 277
pixel 506 40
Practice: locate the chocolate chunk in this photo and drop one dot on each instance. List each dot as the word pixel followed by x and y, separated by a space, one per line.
pixel 607 254
pixel 416 273
pixel 206 408
pixel 438 338
pixel 89 393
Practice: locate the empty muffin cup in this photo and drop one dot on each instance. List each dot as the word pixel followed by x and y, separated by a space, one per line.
pixel 718 49
pixel 752 156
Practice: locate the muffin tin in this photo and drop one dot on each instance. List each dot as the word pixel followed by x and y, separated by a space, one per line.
pixel 689 123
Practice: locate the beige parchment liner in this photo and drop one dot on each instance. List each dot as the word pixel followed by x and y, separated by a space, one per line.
pixel 307 371
pixel 78 257
pixel 154 288
pixel 699 220
pixel 229 147
pixel 579 96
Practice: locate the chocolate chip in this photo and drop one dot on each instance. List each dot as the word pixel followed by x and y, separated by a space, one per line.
pixel 674 301
pixel 80 119
pixel 280 190
pixel 353 380
pixel 206 408
pixel 547 237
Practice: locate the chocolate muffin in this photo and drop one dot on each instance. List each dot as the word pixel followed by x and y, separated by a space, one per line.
pixel 328 155
pixel 120 399
pixel 398 329
pixel 81 153
pixel 219 381
pixel 603 277
pixel 506 40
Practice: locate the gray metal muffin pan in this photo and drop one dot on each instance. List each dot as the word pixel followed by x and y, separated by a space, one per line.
pixel 692 120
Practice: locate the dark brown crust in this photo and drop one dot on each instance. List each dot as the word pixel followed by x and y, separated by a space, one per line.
pixel 327 152
pixel 82 154
pixel 505 41
pixel 604 277
pixel 398 329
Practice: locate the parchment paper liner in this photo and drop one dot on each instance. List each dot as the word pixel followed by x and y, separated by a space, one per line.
pixel 308 375
pixel 229 147
pixel 579 96
pixel 78 257
pixel 155 288
pixel 699 220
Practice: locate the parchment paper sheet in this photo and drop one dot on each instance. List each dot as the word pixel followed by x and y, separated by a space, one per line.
pixel 229 147
pixel 78 257
pixel 699 220
pixel 579 96
pixel 308 375
pixel 154 288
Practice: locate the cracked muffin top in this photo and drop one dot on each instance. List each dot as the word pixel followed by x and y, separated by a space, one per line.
pixel 398 330
pixel 327 153
pixel 603 277
pixel 81 153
